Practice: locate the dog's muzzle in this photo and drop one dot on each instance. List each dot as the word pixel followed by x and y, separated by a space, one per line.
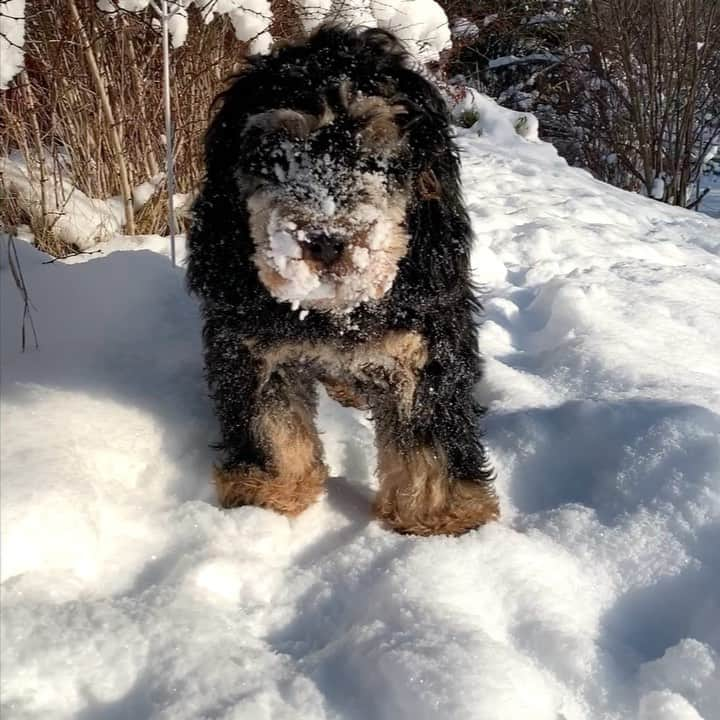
pixel 330 260
pixel 323 247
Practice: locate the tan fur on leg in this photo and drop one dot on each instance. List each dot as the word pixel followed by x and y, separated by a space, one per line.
pixel 296 473
pixel 253 486
pixel 417 497
pixel 346 395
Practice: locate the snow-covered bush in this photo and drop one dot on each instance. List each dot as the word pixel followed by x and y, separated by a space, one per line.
pixel 649 91
pixel 75 220
pixel 421 24
pixel 479 113
pixel 90 115
pixel 515 52
pixel 250 18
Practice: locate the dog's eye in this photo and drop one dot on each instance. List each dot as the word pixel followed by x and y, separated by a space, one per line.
pixel 413 115
pixel 271 156
pixel 362 197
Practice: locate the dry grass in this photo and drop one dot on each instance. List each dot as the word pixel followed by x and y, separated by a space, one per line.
pixel 94 125
pixel 152 218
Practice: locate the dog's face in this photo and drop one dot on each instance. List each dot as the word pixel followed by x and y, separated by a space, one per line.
pixel 327 208
pixel 332 160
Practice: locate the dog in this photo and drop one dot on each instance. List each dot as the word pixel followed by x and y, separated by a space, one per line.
pixel 330 244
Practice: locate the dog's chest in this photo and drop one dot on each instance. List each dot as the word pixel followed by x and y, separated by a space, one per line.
pixel 359 375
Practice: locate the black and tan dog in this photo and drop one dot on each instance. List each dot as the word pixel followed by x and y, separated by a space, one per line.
pixel 330 243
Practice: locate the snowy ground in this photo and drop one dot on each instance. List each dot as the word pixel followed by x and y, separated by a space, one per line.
pixel 129 595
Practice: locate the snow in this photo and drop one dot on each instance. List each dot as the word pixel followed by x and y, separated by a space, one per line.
pixel 464 29
pixel 489 119
pixel 658 189
pixel 76 219
pixel 507 60
pixel 667 706
pixel 143 192
pixel 178 26
pixel 422 25
pixel 250 18
pixel 127 592
pixel 12 40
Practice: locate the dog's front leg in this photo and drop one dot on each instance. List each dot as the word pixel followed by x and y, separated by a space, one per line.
pixel 433 472
pixel 273 453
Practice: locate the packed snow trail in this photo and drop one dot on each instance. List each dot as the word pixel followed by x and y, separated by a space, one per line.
pixel 128 594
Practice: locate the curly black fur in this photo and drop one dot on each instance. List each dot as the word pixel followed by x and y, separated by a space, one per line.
pixel 432 294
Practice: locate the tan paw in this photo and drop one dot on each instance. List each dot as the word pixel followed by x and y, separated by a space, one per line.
pixel 254 486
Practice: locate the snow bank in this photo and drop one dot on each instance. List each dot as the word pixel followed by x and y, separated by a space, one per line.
pixel 128 593
pixel 12 40
pixel 485 117
pixel 76 218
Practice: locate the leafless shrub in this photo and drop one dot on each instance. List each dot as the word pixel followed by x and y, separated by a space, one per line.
pixel 88 109
pixel 629 89
pixel 647 93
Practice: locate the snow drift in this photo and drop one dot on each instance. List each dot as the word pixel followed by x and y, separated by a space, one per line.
pixel 128 594
pixel 74 218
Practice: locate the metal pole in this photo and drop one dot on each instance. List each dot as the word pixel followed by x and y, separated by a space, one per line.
pixel 169 140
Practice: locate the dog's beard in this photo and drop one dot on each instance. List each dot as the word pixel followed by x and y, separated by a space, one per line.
pixel 370 230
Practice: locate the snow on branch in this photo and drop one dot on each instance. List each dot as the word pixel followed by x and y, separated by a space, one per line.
pixel 250 18
pixel 508 60
pixel 421 24
pixel 12 39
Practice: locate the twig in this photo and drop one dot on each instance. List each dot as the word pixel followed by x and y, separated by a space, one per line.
pixel 72 254
pixel 18 277
pixel 109 118
pixel 696 203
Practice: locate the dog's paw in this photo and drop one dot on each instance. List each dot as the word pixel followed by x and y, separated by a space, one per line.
pixel 251 485
pixel 466 505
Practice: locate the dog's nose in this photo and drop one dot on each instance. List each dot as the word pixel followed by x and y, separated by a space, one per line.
pixel 325 248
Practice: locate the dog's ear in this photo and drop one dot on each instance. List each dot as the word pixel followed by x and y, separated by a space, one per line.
pixel 437 219
pixel 384 44
pixel 250 93
pixel 426 124
pixel 427 185
pixel 222 139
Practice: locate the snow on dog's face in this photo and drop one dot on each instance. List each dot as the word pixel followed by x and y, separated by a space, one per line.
pixel 327 212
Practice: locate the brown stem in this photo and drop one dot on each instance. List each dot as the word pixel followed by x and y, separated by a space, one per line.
pixel 125 189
